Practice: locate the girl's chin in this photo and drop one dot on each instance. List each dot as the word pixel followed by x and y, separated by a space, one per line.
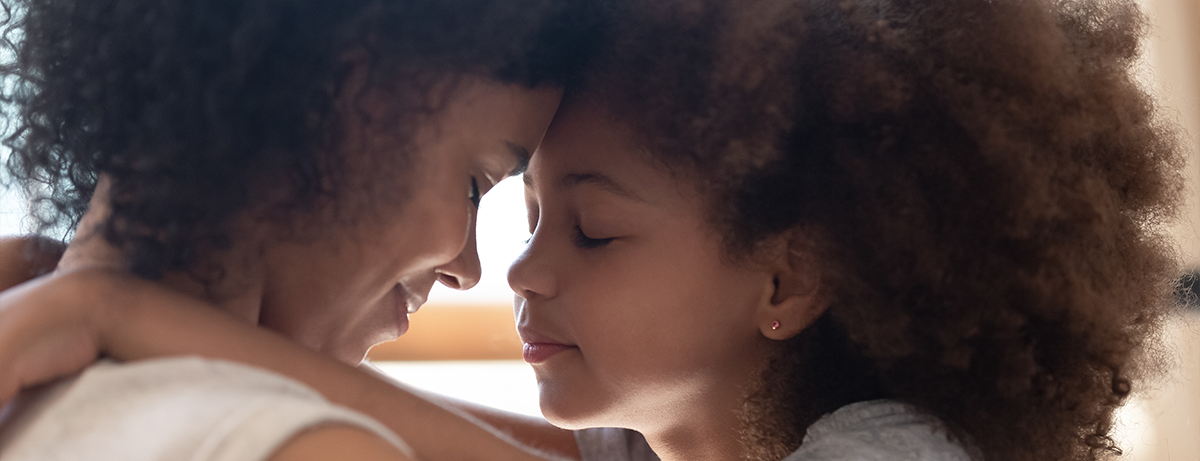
pixel 565 422
pixel 572 410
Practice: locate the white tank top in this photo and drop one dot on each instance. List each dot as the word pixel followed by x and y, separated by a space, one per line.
pixel 184 408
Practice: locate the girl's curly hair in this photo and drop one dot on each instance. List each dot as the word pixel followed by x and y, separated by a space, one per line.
pixel 192 107
pixel 983 183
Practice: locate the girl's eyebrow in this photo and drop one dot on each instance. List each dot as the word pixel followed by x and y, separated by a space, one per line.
pixel 600 180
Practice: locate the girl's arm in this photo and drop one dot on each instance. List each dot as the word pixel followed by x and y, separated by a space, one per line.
pixel 57 325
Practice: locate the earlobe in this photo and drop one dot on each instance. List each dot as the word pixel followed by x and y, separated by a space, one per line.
pixel 786 316
pixel 795 300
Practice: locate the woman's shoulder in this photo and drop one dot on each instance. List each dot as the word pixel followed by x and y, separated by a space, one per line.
pixel 188 406
pixel 878 430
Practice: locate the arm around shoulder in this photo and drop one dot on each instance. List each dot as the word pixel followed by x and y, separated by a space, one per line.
pixel 24 257
pixel 338 442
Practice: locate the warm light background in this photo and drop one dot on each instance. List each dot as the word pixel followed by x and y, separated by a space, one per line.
pixel 1163 423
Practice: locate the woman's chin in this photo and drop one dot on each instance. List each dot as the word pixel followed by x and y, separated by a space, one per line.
pixel 354 352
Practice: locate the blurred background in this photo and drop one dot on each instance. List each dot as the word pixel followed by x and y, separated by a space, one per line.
pixel 1163 421
pixel 464 344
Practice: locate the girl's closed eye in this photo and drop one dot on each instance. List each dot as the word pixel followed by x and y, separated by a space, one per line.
pixel 583 241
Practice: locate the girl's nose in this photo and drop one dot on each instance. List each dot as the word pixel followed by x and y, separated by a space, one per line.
pixel 529 276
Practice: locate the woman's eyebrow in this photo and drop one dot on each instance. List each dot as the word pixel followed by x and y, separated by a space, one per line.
pixel 522 155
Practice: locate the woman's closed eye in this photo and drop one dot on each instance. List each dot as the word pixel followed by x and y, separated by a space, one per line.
pixel 585 242
pixel 474 194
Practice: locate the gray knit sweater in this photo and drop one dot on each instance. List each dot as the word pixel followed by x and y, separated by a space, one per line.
pixel 879 430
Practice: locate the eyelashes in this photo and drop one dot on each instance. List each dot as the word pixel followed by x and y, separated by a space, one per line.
pixel 581 240
pixel 585 242
pixel 578 237
pixel 473 194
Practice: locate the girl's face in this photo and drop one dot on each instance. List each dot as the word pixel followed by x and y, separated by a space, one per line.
pixel 353 286
pixel 629 314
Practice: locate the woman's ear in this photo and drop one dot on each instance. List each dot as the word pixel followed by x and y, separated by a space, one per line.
pixel 796 300
pixel 351 76
pixel 350 82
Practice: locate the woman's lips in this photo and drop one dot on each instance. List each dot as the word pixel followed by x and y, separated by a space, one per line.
pixel 403 302
pixel 413 301
pixel 540 352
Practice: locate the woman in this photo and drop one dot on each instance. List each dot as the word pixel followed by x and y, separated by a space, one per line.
pixel 311 167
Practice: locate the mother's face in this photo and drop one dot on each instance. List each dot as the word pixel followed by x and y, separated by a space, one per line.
pixel 352 287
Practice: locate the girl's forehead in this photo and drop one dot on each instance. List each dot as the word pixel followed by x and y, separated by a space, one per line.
pixel 585 148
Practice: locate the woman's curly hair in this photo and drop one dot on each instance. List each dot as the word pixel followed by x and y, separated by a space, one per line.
pixel 193 107
pixel 982 182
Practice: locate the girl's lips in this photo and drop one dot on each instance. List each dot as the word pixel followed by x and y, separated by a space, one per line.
pixel 540 352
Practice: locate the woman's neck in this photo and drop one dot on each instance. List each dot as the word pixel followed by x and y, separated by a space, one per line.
pixel 239 292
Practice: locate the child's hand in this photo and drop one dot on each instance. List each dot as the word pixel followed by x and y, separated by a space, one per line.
pixel 24 257
pixel 49 327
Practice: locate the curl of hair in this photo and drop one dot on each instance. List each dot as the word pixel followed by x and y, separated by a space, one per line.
pixel 984 183
pixel 194 108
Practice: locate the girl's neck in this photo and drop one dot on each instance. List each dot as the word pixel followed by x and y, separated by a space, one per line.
pixel 239 292
pixel 712 442
pixel 707 426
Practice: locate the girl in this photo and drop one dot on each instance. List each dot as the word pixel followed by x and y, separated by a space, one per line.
pixel 875 230
pixel 823 230
pixel 952 206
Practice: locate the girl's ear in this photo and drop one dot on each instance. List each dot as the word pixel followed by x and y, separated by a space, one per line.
pixel 796 300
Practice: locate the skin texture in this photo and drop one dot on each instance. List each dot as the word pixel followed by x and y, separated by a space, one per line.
pixel 628 309
pixel 337 443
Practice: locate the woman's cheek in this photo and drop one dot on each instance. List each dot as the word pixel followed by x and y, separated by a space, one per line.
pixel 443 226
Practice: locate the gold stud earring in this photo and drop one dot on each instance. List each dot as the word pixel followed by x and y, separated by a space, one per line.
pixel 774 324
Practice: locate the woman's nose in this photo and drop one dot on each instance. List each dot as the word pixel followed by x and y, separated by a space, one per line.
pixel 463 272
